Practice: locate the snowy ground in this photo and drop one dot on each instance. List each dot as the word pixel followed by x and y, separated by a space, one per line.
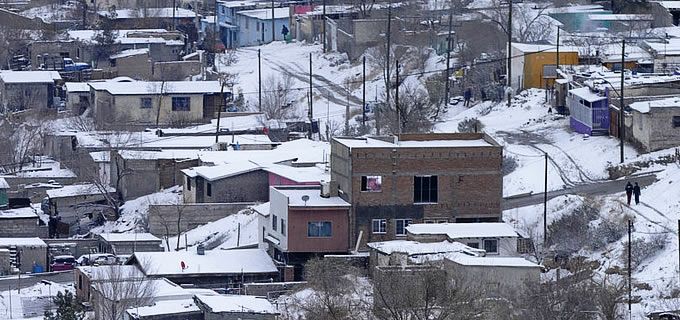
pixel 237 230
pixel 30 303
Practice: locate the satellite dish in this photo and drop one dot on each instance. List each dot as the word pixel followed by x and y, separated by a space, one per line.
pixel 305 198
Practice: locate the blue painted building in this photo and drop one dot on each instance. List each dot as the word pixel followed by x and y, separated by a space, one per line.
pixel 589 111
pixel 241 24
pixel 228 19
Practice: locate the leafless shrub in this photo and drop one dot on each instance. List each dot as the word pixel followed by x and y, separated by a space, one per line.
pixel 470 125
pixel 644 248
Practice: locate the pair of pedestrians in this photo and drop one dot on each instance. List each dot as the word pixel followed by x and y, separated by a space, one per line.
pixel 633 190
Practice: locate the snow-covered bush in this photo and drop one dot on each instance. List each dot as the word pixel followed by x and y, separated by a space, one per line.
pixel 644 248
pixel 571 232
pixel 470 125
pixel 610 230
pixel 509 164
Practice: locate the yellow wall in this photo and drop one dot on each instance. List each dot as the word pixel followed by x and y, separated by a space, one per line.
pixel 534 62
pixel 128 108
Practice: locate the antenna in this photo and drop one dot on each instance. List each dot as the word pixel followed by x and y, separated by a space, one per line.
pixel 305 198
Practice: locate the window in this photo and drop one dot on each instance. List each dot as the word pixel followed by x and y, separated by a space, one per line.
pixel 371 183
pixel 257 27
pixel 319 229
pixel 283 226
pixel 491 245
pixel 676 121
pixel 208 189
pixel 274 222
pixel 145 103
pixel 401 226
pixel 181 104
pixel 188 183
pixel 425 189
pixel 379 226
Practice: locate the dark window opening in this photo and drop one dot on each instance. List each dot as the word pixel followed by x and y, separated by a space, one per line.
pixel 319 229
pixel 425 189
pixel 181 104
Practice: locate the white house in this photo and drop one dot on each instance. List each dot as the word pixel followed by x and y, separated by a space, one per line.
pixel 496 238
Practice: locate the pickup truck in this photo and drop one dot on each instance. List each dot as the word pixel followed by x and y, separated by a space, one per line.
pixel 69 65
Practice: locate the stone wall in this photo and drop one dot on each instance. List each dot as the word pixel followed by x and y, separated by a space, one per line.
pixel 19 228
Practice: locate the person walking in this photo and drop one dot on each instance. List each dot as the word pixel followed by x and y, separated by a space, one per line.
pixel 467 95
pixel 629 191
pixel 636 192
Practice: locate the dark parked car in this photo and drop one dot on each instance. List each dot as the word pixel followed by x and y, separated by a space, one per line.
pixel 62 263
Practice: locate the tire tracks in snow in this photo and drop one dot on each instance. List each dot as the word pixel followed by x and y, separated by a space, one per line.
pixel 638 212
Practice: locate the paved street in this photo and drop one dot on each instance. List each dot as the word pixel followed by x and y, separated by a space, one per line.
pixel 595 188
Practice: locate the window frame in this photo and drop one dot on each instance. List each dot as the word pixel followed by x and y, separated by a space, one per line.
pixel 188 183
pixel 181 108
pixel 320 227
pixel 405 223
pixel 208 189
pixel 283 226
pixel 275 222
pixel 381 224
pixel 472 244
pixel 484 241
pixel 364 184
pixel 419 190
pixel 143 103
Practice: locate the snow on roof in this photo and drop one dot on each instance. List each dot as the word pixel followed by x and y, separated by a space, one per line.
pixel 612 53
pixel 155 155
pixel 165 308
pixel 35 242
pixel 494 261
pixel 313 174
pixel 212 173
pixel 237 304
pixel 464 230
pixel 576 9
pixel 19 213
pixel 96 273
pixel 669 4
pixel 130 53
pixel 29 76
pixel 77 87
pixel 235 4
pixel 128 237
pixel 87 189
pixel 213 262
pixel 534 48
pixel 297 151
pixel 150 13
pixel 417 248
pixel 262 209
pixel 587 94
pixel 620 17
pixel 646 106
pixel 122 36
pixel 3 183
pixel 158 87
pixel 161 289
pixel 266 14
pixel 443 143
pixel 101 156
pixel 295 195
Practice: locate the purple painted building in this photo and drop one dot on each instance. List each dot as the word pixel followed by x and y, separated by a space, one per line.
pixel 589 111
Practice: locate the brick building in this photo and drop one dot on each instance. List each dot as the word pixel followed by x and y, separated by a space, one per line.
pixel 430 178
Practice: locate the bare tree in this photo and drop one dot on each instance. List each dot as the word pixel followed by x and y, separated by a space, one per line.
pixel 363 6
pixel 530 24
pixel 122 290
pixel 277 97
pixel 20 142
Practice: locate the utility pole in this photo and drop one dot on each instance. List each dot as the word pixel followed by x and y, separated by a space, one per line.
pixel 347 111
pixel 509 75
pixel 545 201
pixel 259 80
pixel 323 36
pixel 311 104
pixel 215 30
pixel 557 63
pixel 630 247
pixel 174 5
pixel 448 56
pixel 363 98
pixel 219 111
pixel 396 101
pixel 387 58
pixel 622 106
pixel 273 23
pixel 679 244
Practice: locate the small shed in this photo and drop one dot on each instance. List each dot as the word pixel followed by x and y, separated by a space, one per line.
pixel 656 124
pixel 19 222
pixel 236 307
pixel 25 253
pixel 129 243
pixel 182 309
pixel 589 111
pixel 496 238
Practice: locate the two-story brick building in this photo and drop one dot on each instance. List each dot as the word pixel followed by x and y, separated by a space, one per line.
pixel 430 178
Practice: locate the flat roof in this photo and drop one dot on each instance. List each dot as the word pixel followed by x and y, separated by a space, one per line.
pixel 157 87
pixel 29 76
pixel 295 195
pixel 165 308
pixel 150 13
pixel 212 173
pixel 77 190
pixel 107 271
pixel 237 304
pixel 19 213
pixel 4 184
pixel 417 248
pixel 494 261
pixel 266 14
pixel 25 242
pixel 646 106
pixel 216 261
pixel 464 230
pixel 587 94
pixel 130 53
pixel 77 87
pixel 533 48
pixel 128 237
pixel 620 17
pixel 370 142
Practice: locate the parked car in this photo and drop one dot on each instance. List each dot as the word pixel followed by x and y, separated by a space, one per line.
pixel 62 263
pixel 96 259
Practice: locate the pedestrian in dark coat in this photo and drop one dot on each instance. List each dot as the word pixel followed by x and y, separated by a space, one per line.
pixel 629 191
pixel 467 95
pixel 636 192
